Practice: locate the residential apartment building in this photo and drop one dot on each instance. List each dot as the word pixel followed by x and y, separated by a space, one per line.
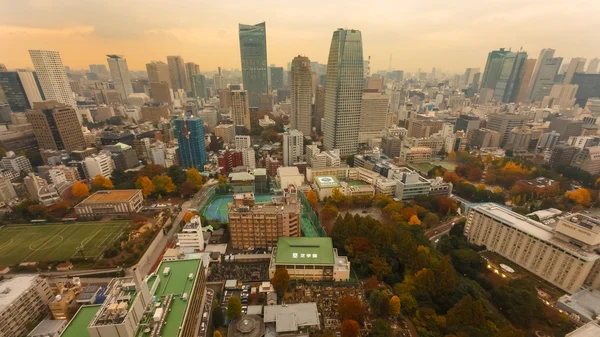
pixel 240 110
pixel 260 225
pixel 562 255
pixel 23 299
pixel 226 132
pixel 98 165
pixel 293 145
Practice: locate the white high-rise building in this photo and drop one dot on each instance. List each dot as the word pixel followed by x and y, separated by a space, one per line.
pixel 373 115
pixel 542 79
pixel 592 67
pixel 343 91
pixel 301 91
pixel 293 144
pixel 52 76
pixel 249 158
pixel 242 142
pixel 120 75
pixel 98 165
pixel 191 238
pixel 576 66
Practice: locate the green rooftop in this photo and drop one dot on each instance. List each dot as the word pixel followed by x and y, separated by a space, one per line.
pixel 176 283
pixel 78 325
pixel 304 250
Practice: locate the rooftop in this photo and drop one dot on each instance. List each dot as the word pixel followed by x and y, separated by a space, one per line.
pixel 241 176
pixel 327 182
pixel 246 326
pixel 303 250
pixel 48 327
pixel 592 329
pixel 585 303
pixel 111 196
pixel 78 325
pixel 11 289
pixel 289 317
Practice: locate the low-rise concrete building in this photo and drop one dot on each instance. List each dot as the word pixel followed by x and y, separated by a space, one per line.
pixel 111 203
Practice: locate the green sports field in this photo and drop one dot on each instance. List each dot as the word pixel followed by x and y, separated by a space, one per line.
pixel 51 242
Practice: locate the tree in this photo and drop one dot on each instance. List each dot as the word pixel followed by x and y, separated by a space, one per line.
pixel 217 317
pixel 395 306
pixel 312 198
pixel 380 267
pixel 351 308
pixel 145 184
pixel 101 182
pixel 188 216
pixel 217 334
pixel 195 177
pixel 152 170
pixel 381 328
pixel 177 174
pixel 467 311
pixel 337 196
pixel 414 220
pixel 349 328
pixel 451 176
pixel 519 302
pixel 187 189
pixel 329 211
pixel 430 220
pixel 234 308
pixel 37 210
pixel 163 185
pixel 481 187
pixel 80 190
pixel 509 331
pixel 580 196
pixel 281 281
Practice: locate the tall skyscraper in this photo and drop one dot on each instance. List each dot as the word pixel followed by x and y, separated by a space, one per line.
pixel 192 69
pixel 470 76
pixel 545 70
pixel 120 75
pixel 179 79
pixel 503 73
pixel 343 91
pixel 56 126
pixel 199 86
pixel 253 52
pixel 301 92
pixel 276 78
pixel 319 107
pixel 577 65
pixel 190 138
pixel 21 89
pixel 527 73
pixel 373 114
pixel 158 71
pixel 592 67
pixel 293 146
pixel 52 76
pixel 240 111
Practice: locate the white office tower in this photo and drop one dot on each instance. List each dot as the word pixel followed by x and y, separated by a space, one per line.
pixel 249 158
pixel 343 91
pixel 52 76
pixel 301 91
pixel 544 72
pixel 373 115
pixel 293 143
pixel 242 142
pixel 576 66
pixel 120 75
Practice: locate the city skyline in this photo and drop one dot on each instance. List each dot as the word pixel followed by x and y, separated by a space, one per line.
pixel 417 36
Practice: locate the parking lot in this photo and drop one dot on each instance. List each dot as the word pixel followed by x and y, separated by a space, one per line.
pixel 206 313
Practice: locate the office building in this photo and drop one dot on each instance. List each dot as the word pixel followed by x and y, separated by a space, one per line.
pixel 158 71
pixel 226 132
pixel 518 139
pixel 503 73
pixel 199 86
pixel 56 126
pixel 309 259
pixel 23 302
pixel 548 140
pixel 242 142
pixel 343 92
pixel 190 137
pixel 191 69
pixel 525 82
pixel 155 113
pixel 592 67
pixel 417 154
pixel 589 87
pixel 421 128
pixel 276 78
pixel 373 115
pixel 123 156
pixel 98 165
pixel 52 76
pixel 7 190
pixel 161 93
pixel 576 65
pixel 253 53
pixel 467 123
pixel 17 163
pixel 191 239
pixel 562 95
pixel 542 79
pixel 21 89
pixel 319 107
pixel 111 202
pixel 561 156
pixel 240 110
pixel 566 127
pixel 119 72
pixel 301 92
pixel 293 146
pixel 504 123
pixel 588 159
pixel 260 225
pixel 179 77
pixel 562 255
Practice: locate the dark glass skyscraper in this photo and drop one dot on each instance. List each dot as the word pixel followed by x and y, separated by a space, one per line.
pixel 253 52
pixel 503 74
pixel 21 89
pixel 190 136
pixel 276 78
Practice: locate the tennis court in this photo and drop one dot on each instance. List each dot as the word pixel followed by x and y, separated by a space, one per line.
pixel 52 242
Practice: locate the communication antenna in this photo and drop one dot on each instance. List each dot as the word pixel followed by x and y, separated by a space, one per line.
pixel 390 64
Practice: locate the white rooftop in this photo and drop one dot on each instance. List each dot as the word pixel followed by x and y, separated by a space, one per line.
pixel 544 214
pixel 12 289
pixel 287 171
pixel 289 317
pixel 592 329
pixel 585 303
